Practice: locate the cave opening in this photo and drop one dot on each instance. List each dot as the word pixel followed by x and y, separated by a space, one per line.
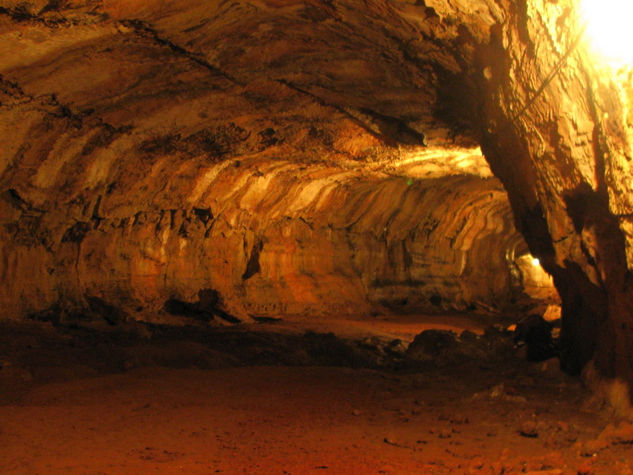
pixel 261 236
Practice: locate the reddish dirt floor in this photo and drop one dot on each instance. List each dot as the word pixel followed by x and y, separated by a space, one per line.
pixel 84 403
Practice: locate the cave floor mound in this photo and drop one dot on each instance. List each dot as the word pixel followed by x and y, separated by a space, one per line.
pixel 254 400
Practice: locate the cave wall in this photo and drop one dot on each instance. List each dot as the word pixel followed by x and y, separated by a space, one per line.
pixel 253 158
pixel 554 126
pixel 137 102
pixel 269 244
pixel 573 206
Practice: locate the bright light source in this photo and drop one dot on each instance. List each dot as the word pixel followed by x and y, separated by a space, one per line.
pixel 536 262
pixel 609 28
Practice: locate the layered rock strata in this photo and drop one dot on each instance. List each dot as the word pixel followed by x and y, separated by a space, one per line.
pixel 143 180
pixel 115 112
pixel 267 238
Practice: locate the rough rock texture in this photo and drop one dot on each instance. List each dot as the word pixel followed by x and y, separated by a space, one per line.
pixel 563 116
pixel 234 154
pixel 266 243
pixel 139 175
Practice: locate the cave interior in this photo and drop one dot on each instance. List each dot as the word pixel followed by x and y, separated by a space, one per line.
pixel 283 236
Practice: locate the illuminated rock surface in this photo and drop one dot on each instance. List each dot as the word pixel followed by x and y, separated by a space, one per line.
pixel 174 159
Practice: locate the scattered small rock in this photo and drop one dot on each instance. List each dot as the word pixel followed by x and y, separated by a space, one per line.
pixel 477 463
pixel 431 344
pixel 562 426
pixel 460 420
pixel 622 434
pixel 497 391
pixel 445 434
pixel 585 469
pixel 529 429
pixel 591 448
pixel 395 443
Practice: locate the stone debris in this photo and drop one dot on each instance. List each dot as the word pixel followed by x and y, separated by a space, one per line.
pixel 620 434
pixel 529 429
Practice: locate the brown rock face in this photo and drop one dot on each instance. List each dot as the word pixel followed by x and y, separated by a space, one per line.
pixel 563 118
pixel 260 158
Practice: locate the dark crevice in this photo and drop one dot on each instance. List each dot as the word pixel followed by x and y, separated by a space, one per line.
pixel 53 6
pixel 13 89
pixel 112 314
pixel 396 128
pixel 49 15
pixel 584 309
pixel 14 198
pixel 208 306
pixel 203 214
pixel 253 267
pixel 145 30
pixel 383 138
pixel 456 104
pixel 52 107
pixel 583 205
pixel 20 13
pixel 77 232
pixel 104 137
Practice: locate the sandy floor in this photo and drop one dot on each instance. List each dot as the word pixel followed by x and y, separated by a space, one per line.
pixel 148 418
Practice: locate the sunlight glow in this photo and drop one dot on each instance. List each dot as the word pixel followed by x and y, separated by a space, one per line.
pixel 536 262
pixel 609 28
